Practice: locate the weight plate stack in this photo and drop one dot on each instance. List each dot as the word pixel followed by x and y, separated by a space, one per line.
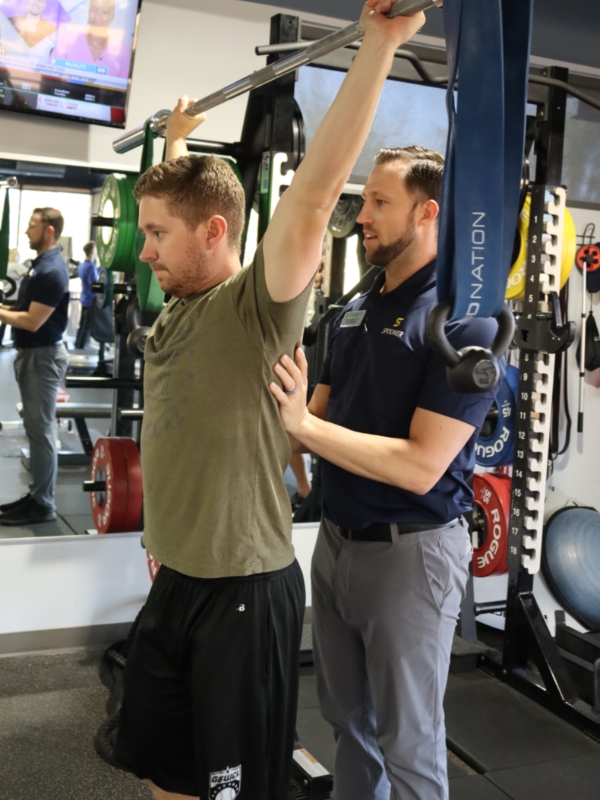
pixel 116 242
pixel 116 463
pixel 496 441
pixel 489 525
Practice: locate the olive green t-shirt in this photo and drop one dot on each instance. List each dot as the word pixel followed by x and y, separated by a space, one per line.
pixel 213 446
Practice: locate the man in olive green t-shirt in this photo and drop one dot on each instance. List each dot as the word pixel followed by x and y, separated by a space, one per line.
pixel 210 687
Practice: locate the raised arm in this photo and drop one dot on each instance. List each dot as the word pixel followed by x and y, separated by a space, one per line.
pixel 179 126
pixel 293 241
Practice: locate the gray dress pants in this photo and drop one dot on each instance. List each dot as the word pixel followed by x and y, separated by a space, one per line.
pixel 384 616
pixel 39 372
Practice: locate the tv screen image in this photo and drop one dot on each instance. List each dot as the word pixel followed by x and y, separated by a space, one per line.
pixel 68 58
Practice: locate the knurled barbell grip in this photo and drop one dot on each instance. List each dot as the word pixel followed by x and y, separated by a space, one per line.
pixel 322 47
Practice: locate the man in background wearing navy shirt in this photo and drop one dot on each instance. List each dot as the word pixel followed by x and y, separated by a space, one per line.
pixel 39 319
pixel 393 552
pixel 88 273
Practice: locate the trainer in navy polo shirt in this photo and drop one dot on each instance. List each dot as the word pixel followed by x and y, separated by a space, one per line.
pixel 47 282
pixel 381 368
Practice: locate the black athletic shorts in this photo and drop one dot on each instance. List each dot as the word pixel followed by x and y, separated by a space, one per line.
pixel 211 685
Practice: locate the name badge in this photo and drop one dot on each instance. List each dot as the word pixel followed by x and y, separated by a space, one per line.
pixel 352 319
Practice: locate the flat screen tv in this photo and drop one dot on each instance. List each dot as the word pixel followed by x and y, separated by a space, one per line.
pixel 68 58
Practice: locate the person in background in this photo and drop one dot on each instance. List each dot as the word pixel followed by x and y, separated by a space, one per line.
pixel 88 273
pixel 96 43
pixel 39 319
pixel 32 26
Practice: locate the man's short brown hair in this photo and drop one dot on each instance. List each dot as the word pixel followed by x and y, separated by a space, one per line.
pixel 424 169
pixel 89 248
pixel 51 216
pixel 196 188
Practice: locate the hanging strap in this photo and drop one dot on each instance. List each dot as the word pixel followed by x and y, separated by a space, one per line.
pixel 4 237
pixel 488 48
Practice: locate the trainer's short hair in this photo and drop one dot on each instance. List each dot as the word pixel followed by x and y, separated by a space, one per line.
pixel 89 248
pixel 51 216
pixel 424 169
pixel 196 188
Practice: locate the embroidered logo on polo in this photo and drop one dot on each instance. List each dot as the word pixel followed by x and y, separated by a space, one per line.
pixel 352 319
pixel 393 330
pixel 225 785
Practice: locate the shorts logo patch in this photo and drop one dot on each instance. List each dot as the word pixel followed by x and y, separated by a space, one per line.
pixel 225 785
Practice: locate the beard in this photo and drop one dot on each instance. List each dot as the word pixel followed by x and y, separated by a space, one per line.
pixel 191 273
pixel 35 244
pixel 386 253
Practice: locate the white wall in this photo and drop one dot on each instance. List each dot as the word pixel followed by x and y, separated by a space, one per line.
pixel 62 582
pixel 189 47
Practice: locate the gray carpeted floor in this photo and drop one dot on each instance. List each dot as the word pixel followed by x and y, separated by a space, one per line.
pixel 50 708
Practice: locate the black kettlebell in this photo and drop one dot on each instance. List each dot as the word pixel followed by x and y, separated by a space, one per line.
pixel 138 333
pixel 470 369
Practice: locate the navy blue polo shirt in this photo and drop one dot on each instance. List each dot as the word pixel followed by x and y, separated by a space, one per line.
pixel 380 371
pixel 47 282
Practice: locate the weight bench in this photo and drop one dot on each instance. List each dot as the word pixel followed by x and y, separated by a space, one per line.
pixel 78 412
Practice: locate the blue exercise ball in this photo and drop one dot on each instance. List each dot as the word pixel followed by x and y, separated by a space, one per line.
pixel 571 562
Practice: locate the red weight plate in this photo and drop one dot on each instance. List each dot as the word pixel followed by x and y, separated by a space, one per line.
pixel 153 565
pixel 135 492
pixel 588 256
pixel 492 497
pixel 109 508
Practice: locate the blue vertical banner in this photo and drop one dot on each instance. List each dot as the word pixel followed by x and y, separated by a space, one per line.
pixel 488 45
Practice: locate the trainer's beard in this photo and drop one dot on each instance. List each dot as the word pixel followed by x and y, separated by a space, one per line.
pixel 386 253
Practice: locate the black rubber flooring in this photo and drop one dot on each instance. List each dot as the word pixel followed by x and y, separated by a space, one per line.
pixel 502 745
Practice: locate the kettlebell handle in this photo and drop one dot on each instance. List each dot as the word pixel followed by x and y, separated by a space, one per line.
pixel 438 340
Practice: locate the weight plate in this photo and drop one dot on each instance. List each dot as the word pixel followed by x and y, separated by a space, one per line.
pixel 153 565
pixel 495 444
pixel 109 507
pixel 116 243
pixel 343 218
pixel 489 525
pixel 135 491
pixel 589 256
pixel 105 298
pixel 515 287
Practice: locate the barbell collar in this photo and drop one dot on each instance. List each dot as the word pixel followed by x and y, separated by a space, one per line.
pixel 94 486
pixel 130 413
pixel 118 288
pixel 322 47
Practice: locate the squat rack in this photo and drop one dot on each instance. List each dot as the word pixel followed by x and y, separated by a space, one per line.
pixel 269 125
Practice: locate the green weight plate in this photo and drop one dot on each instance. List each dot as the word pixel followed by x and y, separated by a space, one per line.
pixel 116 243
pixel 105 298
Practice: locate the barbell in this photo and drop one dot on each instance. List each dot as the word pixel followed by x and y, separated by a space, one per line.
pixel 322 47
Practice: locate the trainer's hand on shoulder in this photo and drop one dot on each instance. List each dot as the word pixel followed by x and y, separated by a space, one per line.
pixel 397 31
pixel 292 398
pixel 179 123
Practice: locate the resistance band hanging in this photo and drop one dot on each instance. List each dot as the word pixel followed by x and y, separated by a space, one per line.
pixel 4 237
pixel 488 51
